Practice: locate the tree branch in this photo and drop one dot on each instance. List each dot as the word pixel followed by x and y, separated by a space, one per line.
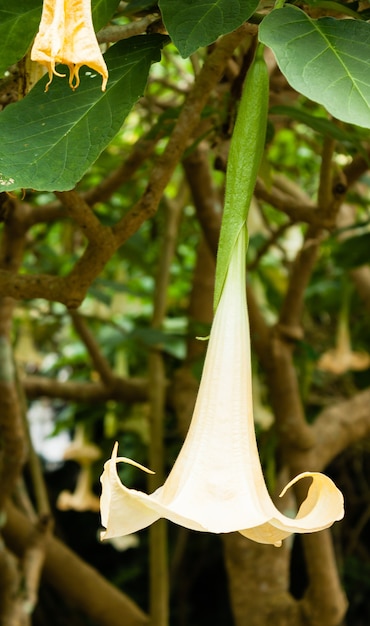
pixel 340 426
pixel 121 389
pixel 74 579
pixel 81 213
pixel 322 608
pixel 100 362
pixel 111 34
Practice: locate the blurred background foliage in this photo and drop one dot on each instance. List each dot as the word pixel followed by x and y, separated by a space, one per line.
pixel 118 311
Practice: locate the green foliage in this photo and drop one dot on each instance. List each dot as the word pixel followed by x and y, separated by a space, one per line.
pixel 102 11
pixel 63 132
pixel 137 6
pixel 322 125
pixel 352 252
pixel 57 139
pixel 192 24
pixel 18 25
pixel 326 59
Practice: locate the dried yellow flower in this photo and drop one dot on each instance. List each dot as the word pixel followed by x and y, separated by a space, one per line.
pixel 66 35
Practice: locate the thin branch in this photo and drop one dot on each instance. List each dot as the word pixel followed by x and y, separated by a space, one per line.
pixel 274 237
pixel 39 488
pixel 100 362
pixel 297 211
pixel 141 151
pixel 206 201
pixel 123 390
pixel 81 213
pixel 111 34
pixel 325 194
pixel 358 166
pixel 292 308
pixel 46 214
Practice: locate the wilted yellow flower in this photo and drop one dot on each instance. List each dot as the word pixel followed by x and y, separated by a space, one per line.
pixel 66 35
pixel 217 484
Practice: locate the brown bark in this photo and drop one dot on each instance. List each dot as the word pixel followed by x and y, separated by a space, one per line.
pixel 120 389
pixel 13 611
pixel 73 579
pixel 259 582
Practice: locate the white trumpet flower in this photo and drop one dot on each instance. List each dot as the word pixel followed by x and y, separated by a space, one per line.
pixel 217 484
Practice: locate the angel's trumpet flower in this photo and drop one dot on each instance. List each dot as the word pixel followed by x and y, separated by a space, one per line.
pixel 66 35
pixel 342 358
pixel 217 484
pixel 84 453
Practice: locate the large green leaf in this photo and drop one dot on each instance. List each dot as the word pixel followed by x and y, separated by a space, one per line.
pixel 19 22
pixel 193 23
pixel 327 60
pixel 49 140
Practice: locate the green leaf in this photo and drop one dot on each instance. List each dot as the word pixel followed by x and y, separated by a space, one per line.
pixel 138 6
pixel 49 140
pixel 192 24
pixel 327 60
pixel 352 252
pixel 19 22
pixel 102 11
pixel 321 125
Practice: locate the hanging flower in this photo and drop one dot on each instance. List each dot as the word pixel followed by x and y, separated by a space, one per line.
pixel 84 453
pixel 342 358
pixel 66 35
pixel 217 484
pixel 83 498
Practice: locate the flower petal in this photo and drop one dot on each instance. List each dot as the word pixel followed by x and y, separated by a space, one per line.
pixel 322 506
pixel 122 509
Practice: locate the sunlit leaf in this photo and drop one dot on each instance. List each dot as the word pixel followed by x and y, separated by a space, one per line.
pixel 192 24
pixel 102 11
pixel 18 25
pixel 327 60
